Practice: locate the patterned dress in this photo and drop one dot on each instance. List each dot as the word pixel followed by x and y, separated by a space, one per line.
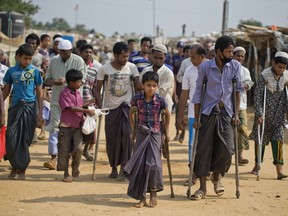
pixel 276 106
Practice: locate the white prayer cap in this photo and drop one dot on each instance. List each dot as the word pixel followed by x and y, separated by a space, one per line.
pixel 58 39
pixel 65 45
pixel 160 48
pixel 281 54
pixel 239 48
pixel 212 48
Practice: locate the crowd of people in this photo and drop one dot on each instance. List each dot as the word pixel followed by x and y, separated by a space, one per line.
pixel 52 85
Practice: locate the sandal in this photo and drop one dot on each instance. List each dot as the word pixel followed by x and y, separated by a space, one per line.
pixel 198 195
pixel 88 156
pixel 12 175
pixel 218 187
pixel 113 174
pixel 281 176
pixel 255 170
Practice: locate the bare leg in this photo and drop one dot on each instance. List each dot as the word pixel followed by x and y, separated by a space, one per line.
pixel 141 203
pixel 153 199
pixel 280 174
pixel 67 178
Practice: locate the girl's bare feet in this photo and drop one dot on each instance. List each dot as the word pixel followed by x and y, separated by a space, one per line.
pixel 67 179
pixel 141 203
pixel 153 199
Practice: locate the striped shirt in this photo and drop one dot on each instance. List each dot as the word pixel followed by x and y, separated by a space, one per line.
pixel 139 61
pixel 149 113
pixel 91 80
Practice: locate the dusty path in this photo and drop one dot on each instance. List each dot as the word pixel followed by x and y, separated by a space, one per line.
pixel 44 194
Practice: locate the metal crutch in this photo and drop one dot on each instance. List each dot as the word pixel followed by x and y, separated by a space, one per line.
pixel 236 139
pixel 135 120
pixel 193 152
pixel 99 130
pixel 166 147
pixel 261 135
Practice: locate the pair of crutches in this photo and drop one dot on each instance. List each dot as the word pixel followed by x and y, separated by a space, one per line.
pixel 261 134
pixel 193 153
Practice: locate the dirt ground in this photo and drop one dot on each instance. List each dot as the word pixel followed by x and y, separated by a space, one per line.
pixel 43 193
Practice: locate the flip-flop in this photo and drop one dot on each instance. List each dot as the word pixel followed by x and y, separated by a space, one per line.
pixel 218 187
pixel 198 195
pixel 281 176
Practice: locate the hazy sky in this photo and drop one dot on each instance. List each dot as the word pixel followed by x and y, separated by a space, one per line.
pixel 127 16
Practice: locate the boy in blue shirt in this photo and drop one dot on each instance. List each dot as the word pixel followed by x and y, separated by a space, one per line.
pixel 27 87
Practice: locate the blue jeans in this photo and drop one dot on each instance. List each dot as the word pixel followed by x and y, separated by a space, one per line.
pixel 191 138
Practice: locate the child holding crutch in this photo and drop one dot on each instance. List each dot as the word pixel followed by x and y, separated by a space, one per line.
pixel 273 80
pixel 144 169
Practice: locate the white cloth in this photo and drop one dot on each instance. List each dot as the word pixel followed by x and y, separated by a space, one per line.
pixel 184 65
pixel 189 83
pixel 118 87
pixel 56 70
pixel 245 79
pixel 165 85
pixel 3 70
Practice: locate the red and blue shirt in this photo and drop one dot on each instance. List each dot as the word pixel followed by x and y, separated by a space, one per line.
pixel 149 112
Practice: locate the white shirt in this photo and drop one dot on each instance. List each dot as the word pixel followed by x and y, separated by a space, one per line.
pixel 245 79
pixel 3 70
pixel 189 83
pixel 118 87
pixel 184 65
pixel 165 85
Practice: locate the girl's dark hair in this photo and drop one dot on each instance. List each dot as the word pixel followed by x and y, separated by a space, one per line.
pixel 223 42
pixel 25 49
pixel 73 75
pixel 150 76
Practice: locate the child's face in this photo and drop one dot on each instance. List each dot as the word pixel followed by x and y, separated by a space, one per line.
pixel 150 87
pixel 75 85
pixel 46 42
pixel 24 60
pixel 279 68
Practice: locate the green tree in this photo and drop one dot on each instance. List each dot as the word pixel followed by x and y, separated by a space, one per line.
pixel 59 24
pixel 28 9
pixel 80 28
pixel 250 22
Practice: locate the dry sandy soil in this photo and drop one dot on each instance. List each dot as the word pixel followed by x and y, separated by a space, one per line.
pixel 43 193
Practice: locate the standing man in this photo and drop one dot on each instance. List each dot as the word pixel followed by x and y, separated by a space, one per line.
pixel 55 78
pixel 243 141
pixel 140 59
pixel 177 91
pixel 197 56
pixel 215 142
pixel 118 94
pixel 131 46
pixel 166 77
pixel 86 52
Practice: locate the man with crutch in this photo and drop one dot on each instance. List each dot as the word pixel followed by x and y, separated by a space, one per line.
pixel 271 107
pixel 215 144
pixel 118 94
